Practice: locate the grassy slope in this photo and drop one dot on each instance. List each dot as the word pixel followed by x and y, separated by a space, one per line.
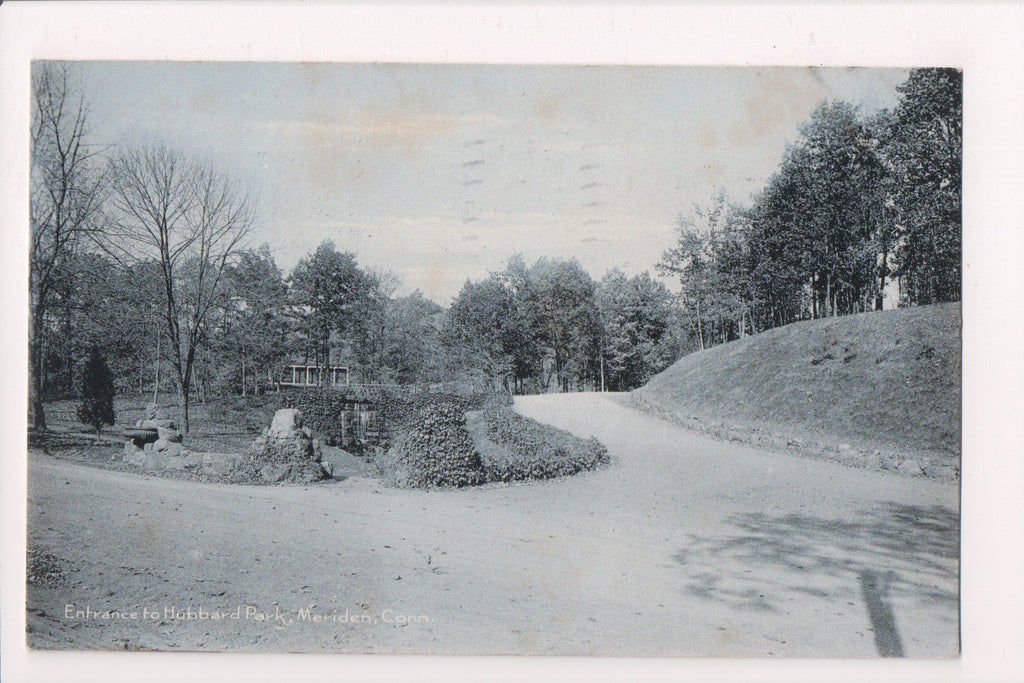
pixel 877 382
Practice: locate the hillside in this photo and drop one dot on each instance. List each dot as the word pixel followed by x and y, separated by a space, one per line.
pixel 879 390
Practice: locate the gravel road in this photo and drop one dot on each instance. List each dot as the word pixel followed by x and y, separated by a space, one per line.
pixel 684 546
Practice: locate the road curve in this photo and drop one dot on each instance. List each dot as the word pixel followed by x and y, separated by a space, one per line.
pixel 683 546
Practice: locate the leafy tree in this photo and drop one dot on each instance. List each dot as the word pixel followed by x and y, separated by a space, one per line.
pixel 925 149
pixel 412 339
pixel 252 333
pixel 641 329
pixel 708 260
pixel 481 329
pixel 562 311
pixel 333 296
pixel 97 406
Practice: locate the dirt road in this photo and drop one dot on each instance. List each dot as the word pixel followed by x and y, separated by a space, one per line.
pixel 684 546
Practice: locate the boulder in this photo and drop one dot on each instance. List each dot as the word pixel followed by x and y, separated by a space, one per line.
pixel 160 445
pixel 155 412
pixel 286 421
pixel 133 455
pixel 154 461
pixel 172 450
pixel 156 424
pixel 219 463
pixel 192 459
pixel 169 434
pixel 275 474
pixel 284 452
pixel 174 463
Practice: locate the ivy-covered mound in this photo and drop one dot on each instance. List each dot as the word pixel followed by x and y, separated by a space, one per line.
pixel 533 450
pixel 285 452
pixel 401 410
pixel 433 450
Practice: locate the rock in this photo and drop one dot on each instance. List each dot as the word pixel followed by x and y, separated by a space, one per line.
pixel 155 412
pixel 160 445
pixel 192 459
pixel 219 463
pixel 148 447
pixel 174 463
pixel 275 473
pixel 285 421
pixel 134 456
pixel 172 450
pixel 156 424
pixel 154 461
pixel 168 434
pixel 284 451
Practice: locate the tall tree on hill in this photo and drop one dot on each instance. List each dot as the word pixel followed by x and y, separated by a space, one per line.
pixel 97 406
pixel 926 151
pixel 332 295
pixel 707 260
pixel 192 221
pixel 65 205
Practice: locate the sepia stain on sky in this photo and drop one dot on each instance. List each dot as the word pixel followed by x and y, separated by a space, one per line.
pixel 439 173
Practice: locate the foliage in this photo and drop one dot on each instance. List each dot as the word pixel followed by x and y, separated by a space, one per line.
pixel 855 202
pixel 434 450
pixel 411 340
pixel 332 298
pixel 321 411
pixel 638 319
pixel 564 316
pixel 97 406
pixel 535 450
pixel 401 409
pixel 483 328
pixel 249 334
pixel 925 148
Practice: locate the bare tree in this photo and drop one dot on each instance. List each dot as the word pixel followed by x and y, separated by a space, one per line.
pixel 192 221
pixel 65 204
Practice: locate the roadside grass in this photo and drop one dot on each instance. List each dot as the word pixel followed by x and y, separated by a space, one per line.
pixel 882 383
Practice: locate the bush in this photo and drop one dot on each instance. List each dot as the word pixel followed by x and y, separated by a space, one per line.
pixel 535 450
pixel 400 409
pixel 433 450
pixel 97 406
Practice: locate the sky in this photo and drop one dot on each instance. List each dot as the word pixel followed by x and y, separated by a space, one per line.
pixel 439 173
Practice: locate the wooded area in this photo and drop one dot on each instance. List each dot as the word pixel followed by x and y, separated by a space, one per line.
pixel 141 253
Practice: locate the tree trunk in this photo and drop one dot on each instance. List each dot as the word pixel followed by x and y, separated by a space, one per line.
pixel 829 310
pixel 700 328
pixel 36 411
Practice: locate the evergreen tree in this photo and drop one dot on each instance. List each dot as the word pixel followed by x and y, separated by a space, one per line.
pixel 97 407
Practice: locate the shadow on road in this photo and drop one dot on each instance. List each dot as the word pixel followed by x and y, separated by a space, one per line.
pixel 905 551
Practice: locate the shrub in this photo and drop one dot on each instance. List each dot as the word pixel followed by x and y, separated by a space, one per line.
pixel 433 450
pixel 400 409
pixel 97 407
pixel 535 450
